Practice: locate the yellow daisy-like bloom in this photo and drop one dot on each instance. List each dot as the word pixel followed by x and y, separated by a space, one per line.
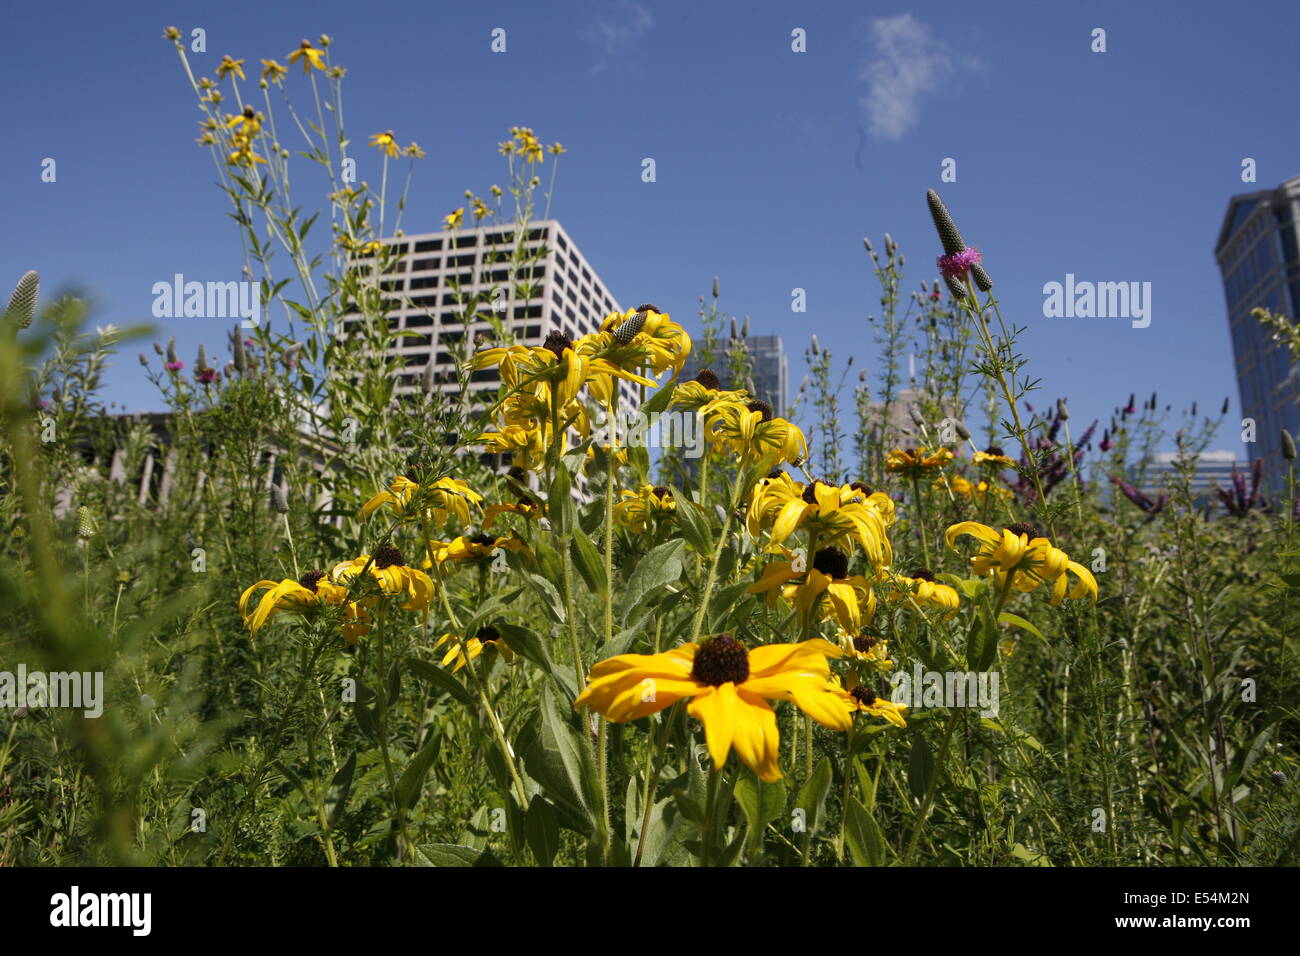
pixel 751 432
pixel 272 71
pixel 704 394
pixel 638 509
pixel 867 647
pixel 1029 559
pixel 386 143
pixel 443 497
pixel 922 588
pixel 228 67
pixel 388 567
pixel 303 598
pixel 914 462
pixel 479 547
pixel 454 219
pixel 311 57
pixel 848 597
pixel 526 444
pixel 248 123
pixel 829 513
pixel 487 637
pixel 728 686
pixel 525 509
pixel 860 699
pixel 640 339
pixel 243 155
pixel 994 457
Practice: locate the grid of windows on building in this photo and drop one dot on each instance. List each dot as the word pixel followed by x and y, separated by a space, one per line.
pixel 1258 251
pixel 436 276
pixel 1214 469
pixel 768 369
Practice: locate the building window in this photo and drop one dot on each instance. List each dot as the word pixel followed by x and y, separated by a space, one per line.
pixel 428 245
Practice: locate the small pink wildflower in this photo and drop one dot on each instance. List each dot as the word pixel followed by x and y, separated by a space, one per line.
pixel 206 376
pixel 174 366
pixel 959 263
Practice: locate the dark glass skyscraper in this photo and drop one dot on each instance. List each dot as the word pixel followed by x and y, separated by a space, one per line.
pixel 1259 257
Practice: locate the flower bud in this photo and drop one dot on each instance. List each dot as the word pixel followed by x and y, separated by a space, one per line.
pixel 279 500
pixel 1288 446
pixel 1062 410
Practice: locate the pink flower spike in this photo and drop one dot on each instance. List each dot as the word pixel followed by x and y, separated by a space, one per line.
pixel 959 263
pixel 174 366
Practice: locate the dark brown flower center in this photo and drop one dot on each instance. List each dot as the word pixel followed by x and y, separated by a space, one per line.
pixel 995 450
pixel 487 633
pixel 484 539
pixel 309 580
pixel 387 556
pixel 774 474
pixel 863 696
pixel 762 407
pixel 721 660
pixel 865 642
pixel 1024 527
pixel 557 342
pixel 663 492
pixel 863 487
pixel 709 379
pixel 925 574
pixel 810 492
pixel 833 562
pixel 647 307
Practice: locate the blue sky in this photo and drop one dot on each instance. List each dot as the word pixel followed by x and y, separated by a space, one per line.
pixel 771 165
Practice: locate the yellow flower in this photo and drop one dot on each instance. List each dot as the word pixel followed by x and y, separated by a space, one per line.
pixel 273 71
pixel 640 339
pixel 1026 557
pixel 481 209
pixel 922 588
pixel 302 597
pixel 388 567
pixel 555 149
pixel 862 700
pixel 914 462
pixel 477 547
pixel 829 513
pixel 414 151
pixel 849 596
pixel 227 66
pixel 525 509
pixel 705 394
pixel 868 647
pixel 994 457
pixel 385 143
pixel 750 432
pixel 978 492
pixel 439 498
pixel 311 57
pixel 248 123
pixel 728 686
pixel 639 508
pixel 487 637
pixel 453 219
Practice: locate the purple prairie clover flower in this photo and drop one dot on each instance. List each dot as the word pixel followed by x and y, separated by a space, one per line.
pixel 959 263
pixel 1140 498
pixel 175 366
pixel 206 376
pixel 1106 443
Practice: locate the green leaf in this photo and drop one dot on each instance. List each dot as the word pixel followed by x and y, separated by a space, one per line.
pixel 542 827
pixel 551 601
pixel 453 854
pixel 982 641
pixel 412 780
pixel 441 680
pixel 659 567
pixel 559 501
pixel 1015 620
pixel 920 766
pixel 812 795
pixel 336 797
pixel 694 525
pixel 761 803
pixel 587 560
pixel 865 841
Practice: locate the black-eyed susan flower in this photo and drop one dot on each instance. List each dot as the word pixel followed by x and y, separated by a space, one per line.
pixel 916 462
pixel 866 647
pixel 389 569
pixel 230 67
pixel 751 433
pixel 849 597
pixel 478 547
pixel 272 71
pixel 438 498
pixel 637 510
pixel 640 339
pixel 530 510
pixel 922 588
pixel 311 57
pixel 487 638
pixel 704 393
pixel 861 699
pixel 386 143
pixel 994 457
pixel 728 686
pixel 454 218
pixel 1020 553
pixel 831 514
pixel 304 598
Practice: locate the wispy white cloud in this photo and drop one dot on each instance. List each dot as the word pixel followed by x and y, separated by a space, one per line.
pixel 907 64
pixel 615 30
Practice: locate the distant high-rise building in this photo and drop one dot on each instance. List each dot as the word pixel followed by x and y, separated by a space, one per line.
pixel 1258 251
pixel 436 273
pixel 769 370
